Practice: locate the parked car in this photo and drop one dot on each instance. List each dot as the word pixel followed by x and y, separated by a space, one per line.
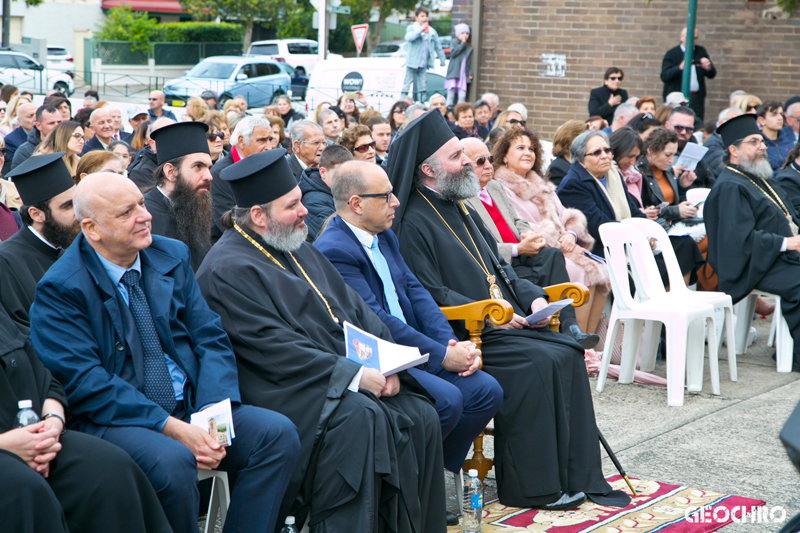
pixel 27 74
pixel 391 49
pixel 445 42
pixel 299 80
pixel 379 78
pixel 258 79
pixel 302 54
pixel 58 58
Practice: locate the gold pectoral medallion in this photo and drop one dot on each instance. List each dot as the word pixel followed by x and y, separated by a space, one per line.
pixel 792 226
pixel 494 291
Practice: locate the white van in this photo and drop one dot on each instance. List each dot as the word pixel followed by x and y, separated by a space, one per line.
pixel 379 78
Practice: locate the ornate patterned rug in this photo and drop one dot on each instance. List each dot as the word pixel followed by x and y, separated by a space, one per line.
pixel 657 507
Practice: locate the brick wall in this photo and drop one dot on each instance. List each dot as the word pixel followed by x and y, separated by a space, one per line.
pixel 750 53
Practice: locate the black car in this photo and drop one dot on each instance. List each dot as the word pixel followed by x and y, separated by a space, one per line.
pixel 299 80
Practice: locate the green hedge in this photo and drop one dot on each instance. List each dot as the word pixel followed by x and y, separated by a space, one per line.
pixel 199 32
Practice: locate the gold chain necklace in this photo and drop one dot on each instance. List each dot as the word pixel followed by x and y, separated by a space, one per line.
pixel 265 252
pixel 776 200
pixel 494 291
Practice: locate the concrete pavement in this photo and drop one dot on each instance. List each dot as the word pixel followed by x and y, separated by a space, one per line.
pixel 727 443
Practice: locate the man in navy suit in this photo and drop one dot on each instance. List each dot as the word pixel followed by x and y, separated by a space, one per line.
pixel 365 251
pixel 121 322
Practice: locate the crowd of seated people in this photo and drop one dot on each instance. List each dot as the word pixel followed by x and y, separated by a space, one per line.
pixel 149 273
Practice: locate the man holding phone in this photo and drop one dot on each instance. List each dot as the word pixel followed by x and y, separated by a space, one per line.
pixel 423 43
pixel 702 68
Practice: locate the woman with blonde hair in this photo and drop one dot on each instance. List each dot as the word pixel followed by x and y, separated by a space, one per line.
pixel 317 110
pixel 562 140
pixel 219 120
pixel 517 163
pixel 66 137
pixel 7 125
pixel 98 161
pixel 232 106
pixel 749 103
pixel 196 110
pixel 509 119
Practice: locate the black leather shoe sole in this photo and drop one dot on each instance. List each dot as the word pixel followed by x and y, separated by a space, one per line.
pixel 452 519
pixel 566 502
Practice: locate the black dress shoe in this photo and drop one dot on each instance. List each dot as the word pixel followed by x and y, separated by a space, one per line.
pixel 567 500
pixel 452 518
pixel 586 340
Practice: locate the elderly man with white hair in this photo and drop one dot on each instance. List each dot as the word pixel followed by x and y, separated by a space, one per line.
pixel 252 135
pixel 623 114
pixel 494 101
pixel 103 126
pixel 716 149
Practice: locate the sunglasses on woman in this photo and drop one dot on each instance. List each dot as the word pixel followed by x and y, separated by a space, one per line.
pixel 364 148
pixel 214 136
pixel 517 121
pixel 600 151
pixel 615 78
pixel 3 152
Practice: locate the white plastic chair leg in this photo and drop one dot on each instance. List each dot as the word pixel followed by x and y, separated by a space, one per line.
pixel 652 336
pixel 730 333
pixel 784 354
pixel 611 334
pixel 695 349
pixel 631 339
pixel 713 356
pixel 676 360
pixel 744 317
pixel 459 481
pixel 773 329
pixel 220 497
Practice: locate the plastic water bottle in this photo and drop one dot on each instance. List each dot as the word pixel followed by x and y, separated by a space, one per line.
pixel 473 508
pixel 289 525
pixel 26 416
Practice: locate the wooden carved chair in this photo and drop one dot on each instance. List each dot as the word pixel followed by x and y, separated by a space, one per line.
pixel 500 312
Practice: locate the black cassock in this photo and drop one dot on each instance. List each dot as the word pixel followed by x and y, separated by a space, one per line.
pixel 24 259
pixel 163 223
pixel 93 486
pixel 545 433
pixel 745 233
pixel 365 464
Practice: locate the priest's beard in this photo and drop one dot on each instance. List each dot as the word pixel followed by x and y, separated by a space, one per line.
pixel 192 212
pixel 285 237
pixel 757 165
pixel 57 234
pixel 455 186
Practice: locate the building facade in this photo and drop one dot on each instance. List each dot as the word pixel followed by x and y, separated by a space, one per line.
pixel 548 54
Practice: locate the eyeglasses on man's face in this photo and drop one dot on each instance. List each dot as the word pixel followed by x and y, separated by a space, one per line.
pixel 386 195
pixel 314 143
pixel 681 129
pixel 755 142
pixel 615 78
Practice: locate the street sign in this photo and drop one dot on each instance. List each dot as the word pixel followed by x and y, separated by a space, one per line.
pixel 340 10
pixel 359 32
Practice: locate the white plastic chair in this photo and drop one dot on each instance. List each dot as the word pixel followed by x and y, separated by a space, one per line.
pixel 679 291
pixel 784 350
pixel 220 497
pixel 623 243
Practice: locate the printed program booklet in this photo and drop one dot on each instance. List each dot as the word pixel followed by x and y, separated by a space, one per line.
pixel 217 419
pixel 386 357
pixel 548 310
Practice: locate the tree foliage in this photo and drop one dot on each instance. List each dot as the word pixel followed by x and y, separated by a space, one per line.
pixel 246 12
pixel 124 24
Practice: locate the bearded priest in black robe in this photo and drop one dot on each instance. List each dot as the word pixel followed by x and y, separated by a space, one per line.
pixel 46 187
pixel 752 225
pixel 181 200
pixel 547 452
pixel 371 446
